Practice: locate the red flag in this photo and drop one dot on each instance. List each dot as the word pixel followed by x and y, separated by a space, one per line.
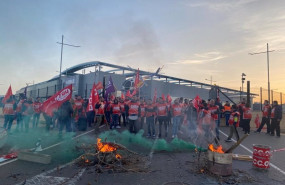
pixel 169 99
pixel 7 95
pixel 163 97
pixel 99 86
pixel 155 96
pixel 128 94
pixel 196 102
pixel 93 99
pixel 57 100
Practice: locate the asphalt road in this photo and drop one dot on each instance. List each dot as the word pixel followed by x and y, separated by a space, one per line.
pixel 165 167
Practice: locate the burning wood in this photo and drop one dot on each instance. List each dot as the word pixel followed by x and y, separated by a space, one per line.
pixel 111 156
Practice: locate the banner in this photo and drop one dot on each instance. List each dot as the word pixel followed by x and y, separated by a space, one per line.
pixel 54 102
pixel 7 95
pixel 93 99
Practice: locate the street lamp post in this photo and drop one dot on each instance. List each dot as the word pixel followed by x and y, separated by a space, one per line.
pixel 267 53
pixel 62 43
pixel 242 81
pixel 211 80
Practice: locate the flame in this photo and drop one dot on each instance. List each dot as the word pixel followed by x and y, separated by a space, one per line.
pixel 218 150
pixel 202 170
pixel 86 161
pixel 118 156
pixel 103 147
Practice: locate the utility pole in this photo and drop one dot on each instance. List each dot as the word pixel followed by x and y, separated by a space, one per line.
pixel 267 52
pixel 62 43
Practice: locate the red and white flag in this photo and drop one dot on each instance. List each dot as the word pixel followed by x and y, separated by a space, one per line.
pixel 7 95
pixel 93 99
pixel 54 102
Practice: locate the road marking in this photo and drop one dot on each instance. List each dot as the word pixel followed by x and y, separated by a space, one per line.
pixel 247 149
pixel 13 160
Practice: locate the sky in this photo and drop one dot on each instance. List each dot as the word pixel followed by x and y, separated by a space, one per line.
pixel 193 39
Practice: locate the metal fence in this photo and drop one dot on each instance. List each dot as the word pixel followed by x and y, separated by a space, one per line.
pixel 263 95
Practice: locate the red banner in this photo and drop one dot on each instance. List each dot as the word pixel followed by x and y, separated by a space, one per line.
pixel 93 99
pixel 54 102
pixel 7 95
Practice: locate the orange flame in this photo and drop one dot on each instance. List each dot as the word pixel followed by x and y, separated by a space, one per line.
pixel 118 156
pixel 103 147
pixel 86 161
pixel 218 150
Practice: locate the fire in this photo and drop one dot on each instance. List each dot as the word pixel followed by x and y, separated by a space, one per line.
pixel 104 147
pixel 218 150
pixel 202 170
pixel 118 156
pixel 86 161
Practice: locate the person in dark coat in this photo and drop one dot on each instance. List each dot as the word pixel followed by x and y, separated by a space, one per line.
pixel 276 116
pixel 64 116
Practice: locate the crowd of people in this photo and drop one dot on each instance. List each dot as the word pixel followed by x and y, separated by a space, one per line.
pixel 199 117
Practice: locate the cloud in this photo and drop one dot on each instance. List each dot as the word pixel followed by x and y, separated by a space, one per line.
pixel 221 5
pixel 201 58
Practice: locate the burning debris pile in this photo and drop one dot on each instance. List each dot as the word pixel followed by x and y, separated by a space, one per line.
pixel 106 156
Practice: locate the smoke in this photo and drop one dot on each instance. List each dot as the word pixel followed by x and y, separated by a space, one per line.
pixel 138 44
pixel 127 139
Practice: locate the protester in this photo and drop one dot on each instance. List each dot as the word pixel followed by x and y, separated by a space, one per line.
pixel 82 117
pixel 115 111
pixel 162 116
pixel 100 112
pixel 227 112
pixel 19 113
pixel 64 117
pixel 215 115
pixel 123 112
pixel 134 113
pixel 241 106
pixel 207 122
pixel 142 114
pixel 37 112
pixel 192 114
pixel 234 123
pixel 9 113
pixel 150 112
pixel 266 112
pixel 77 106
pixel 247 115
pixel 176 112
pixel 276 116
pixel 27 112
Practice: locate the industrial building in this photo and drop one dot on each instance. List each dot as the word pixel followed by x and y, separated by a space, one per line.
pixel 123 78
